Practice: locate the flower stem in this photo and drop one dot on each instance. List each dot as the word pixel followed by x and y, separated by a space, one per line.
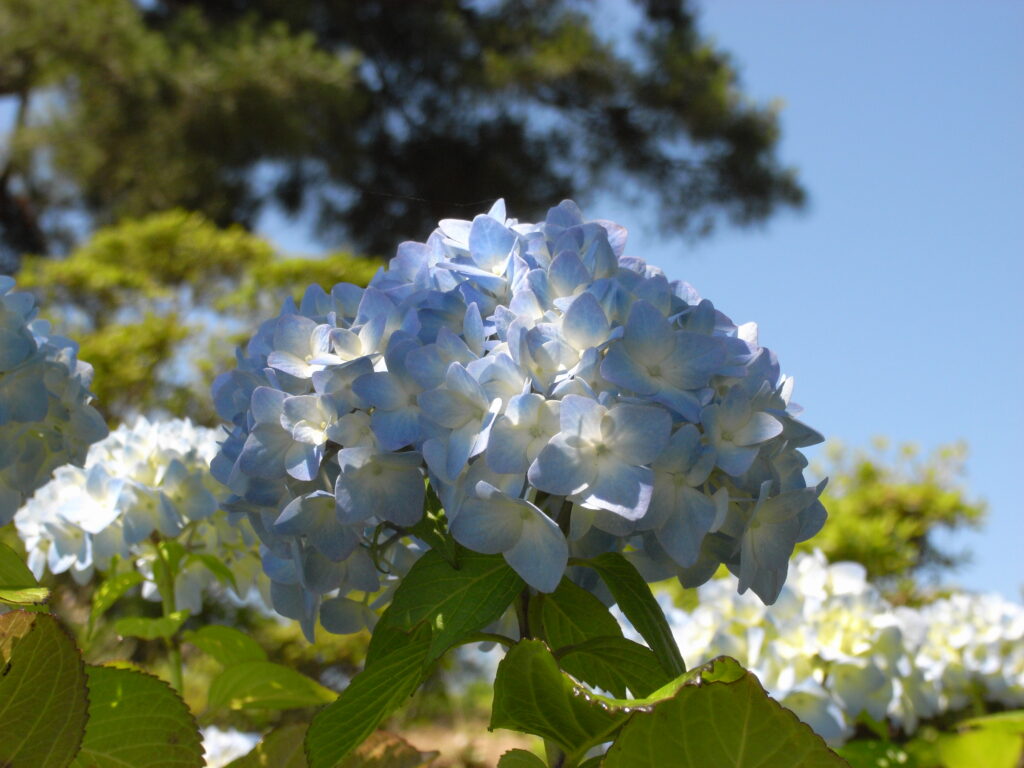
pixel 166 584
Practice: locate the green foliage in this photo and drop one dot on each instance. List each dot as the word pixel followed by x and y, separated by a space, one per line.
pixel 885 507
pixel 454 601
pixel 359 115
pixel 136 719
pixel 371 696
pixel 153 303
pixel 43 700
pixel 729 722
pixel 634 598
pixel 265 685
pixel 151 629
pixel 227 645
pixel 520 758
pixel 17 584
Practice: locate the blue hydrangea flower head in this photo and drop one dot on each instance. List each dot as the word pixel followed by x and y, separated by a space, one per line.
pixel 558 396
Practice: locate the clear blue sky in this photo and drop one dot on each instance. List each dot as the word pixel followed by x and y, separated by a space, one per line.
pixel 896 299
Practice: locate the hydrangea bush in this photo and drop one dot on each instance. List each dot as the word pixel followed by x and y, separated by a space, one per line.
pixel 45 417
pixel 832 647
pixel 144 484
pixel 555 397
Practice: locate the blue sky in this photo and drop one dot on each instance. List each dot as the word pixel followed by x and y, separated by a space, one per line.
pixel 896 299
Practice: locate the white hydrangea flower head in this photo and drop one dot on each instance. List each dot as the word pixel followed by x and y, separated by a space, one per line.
pixel 560 397
pixel 46 419
pixel 143 482
pixel 832 647
pixel 223 746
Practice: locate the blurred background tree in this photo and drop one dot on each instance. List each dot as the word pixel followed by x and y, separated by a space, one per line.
pixel 888 509
pixel 373 118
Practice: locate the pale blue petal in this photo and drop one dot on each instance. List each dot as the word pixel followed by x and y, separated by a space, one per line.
pixel 541 554
pixel 488 526
pixel 620 488
pixel 581 417
pixel 263 454
pixel 623 371
pixel 381 390
pixel 445 407
pixel 506 450
pixel 396 429
pixel 490 243
pixel 761 428
pixel 649 337
pixel 302 460
pixel 585 324
pixel 735 460
pixel 560 468
pixel 683 531
pixel 636 433
pixel 267 405
pixel 341 616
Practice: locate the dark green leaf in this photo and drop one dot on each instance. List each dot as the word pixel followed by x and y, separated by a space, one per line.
pixel 226 644
pixel 17 584
pixel 151 629
pixel 109 592
pixel 570 615
pixel 520 758
pixel 455 601
pixel 265 685
pixel 373 694
pixel 614 664
pixel 137 720
pixel 43 700
pixel 531 694
pixel 722 717
pixel 634 597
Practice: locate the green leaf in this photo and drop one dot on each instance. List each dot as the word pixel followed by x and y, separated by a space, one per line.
pixel 265 685
pixel 520 758
pixel 151 629
pixel 614 664
pixel 17 584
pixel 217 568
pixel 373 694
pixel 455 601
pixel 43 700
pixel 570 615
pixel 531 694
pixel 109 592
pixel 137 720
pixel 988 747
pixel 872 753
pixel 636 601
pixel 386 750
pixel 721 718
pixel 225 644
pixel 281 748
pixel 1012 721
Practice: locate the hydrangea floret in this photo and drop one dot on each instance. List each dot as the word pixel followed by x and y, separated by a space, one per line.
pixel 832 647
pixel 557 398
pixel 45 417
pixel 144 483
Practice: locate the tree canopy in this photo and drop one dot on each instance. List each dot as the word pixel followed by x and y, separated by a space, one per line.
pixel 374 118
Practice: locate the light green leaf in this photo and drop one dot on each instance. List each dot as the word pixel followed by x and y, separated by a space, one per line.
pixel 533 695
pixel 634 597
pixel 373 694
pixel 520 758
pixel 217 568
pixel 1012 721
pixel 109 592
pixel 721 719
pixel 265 685
pixel 614 664
pixel 988 747
pixel 17 584
pixel 227 645
pixel 151 629
pixel 137 720
pixel 281 748
pixel 43 700
pixel 455 601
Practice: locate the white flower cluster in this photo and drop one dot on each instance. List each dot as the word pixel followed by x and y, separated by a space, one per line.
pixel 45 417
pixel 143 482
pixel 223 746
pixel 561 398
pixel 832 647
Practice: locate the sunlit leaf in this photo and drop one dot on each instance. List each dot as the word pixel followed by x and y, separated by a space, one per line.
pixel 227 645
pixel 265 685
pixel 17 584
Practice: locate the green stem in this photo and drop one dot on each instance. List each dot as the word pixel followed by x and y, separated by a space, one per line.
pixel 166 585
